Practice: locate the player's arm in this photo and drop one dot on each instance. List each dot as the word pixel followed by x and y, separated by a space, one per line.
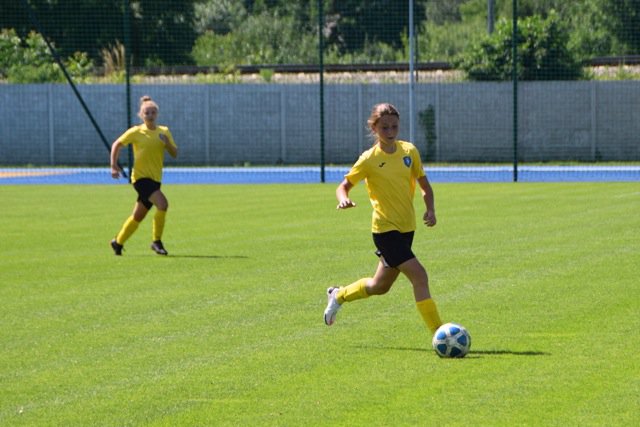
pixel 429 216
pixel 169 145
pixel 115 152
pixel 342 194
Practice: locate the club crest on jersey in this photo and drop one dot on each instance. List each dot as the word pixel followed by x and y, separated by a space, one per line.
pixel 407 161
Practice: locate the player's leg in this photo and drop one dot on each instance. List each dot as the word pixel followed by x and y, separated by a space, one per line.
pixel 162 205
pixel 159 200
pixel 382 281
pixel 129 227
pixel 419 279
pixel 379 284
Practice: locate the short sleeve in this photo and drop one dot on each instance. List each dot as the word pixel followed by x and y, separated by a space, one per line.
pixel 167 132
pixel 128 136
pixel 358 171
pixel 417 169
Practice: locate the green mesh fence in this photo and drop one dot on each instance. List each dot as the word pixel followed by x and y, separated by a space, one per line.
pixel 291 83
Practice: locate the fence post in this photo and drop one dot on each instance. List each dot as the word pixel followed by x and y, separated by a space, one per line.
pixel 514 71
pixel 412 131
pixel 127 44
pixel 321 66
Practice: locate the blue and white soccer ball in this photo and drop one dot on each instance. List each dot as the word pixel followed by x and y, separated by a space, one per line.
pixel 451 340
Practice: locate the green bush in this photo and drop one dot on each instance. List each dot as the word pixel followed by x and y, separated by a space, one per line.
pixel 10 50
pixel 543 52
pixel 31 61
pixel 260 39
pixel 445 42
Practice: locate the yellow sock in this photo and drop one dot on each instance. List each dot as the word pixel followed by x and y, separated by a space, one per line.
pixel 356 290
pixel 128 228
pixel 158 224
pixel 429 313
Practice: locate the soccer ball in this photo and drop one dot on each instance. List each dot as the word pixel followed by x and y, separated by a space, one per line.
pixel 451 340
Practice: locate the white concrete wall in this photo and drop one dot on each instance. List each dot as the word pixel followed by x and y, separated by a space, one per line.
pixel 273 123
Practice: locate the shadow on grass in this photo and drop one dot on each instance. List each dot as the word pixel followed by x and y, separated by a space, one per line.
pixel 473 353
pixel 513 353
pixel 209 256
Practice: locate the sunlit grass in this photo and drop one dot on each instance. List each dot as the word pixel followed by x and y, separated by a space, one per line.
pixel 227 330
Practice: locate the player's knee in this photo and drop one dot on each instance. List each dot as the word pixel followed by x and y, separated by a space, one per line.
pixel 139 216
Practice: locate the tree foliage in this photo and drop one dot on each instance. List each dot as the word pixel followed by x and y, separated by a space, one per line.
pixel 358 23
pixel 162 30
pixel 29 61
pixel 543 52
pixel 265 38
pixel 226 33
pixel 624 22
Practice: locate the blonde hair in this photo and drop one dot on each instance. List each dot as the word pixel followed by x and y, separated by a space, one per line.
pixel 379 110
pixel 146 99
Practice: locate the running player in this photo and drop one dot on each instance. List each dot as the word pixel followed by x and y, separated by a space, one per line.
pixel 149 141
pixel 390 169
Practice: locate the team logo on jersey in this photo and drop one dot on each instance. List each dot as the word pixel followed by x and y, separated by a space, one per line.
pixel 407 161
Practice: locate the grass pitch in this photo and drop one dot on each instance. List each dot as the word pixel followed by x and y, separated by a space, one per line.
pixel 227 330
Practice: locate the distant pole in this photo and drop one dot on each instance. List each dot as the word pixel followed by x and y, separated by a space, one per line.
pixel 321 66
pixel 514 72
pixel 127 45
pixel 490 15
pixel 411 75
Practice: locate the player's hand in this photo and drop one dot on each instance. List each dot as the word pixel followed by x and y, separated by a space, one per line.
pixel 115 172
pixel 429 218
pixel 346 204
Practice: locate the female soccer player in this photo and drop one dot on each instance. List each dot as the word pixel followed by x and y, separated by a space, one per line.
pixel 149 142
pixel 391 168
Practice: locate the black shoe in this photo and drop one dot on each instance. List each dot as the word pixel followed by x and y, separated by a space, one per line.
pixel 117 249
pixel 158 248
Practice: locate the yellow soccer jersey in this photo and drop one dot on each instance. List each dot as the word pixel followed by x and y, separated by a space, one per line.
pixel 391 183
pixel 148 150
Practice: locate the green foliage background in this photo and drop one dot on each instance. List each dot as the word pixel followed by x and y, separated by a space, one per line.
pixel 557 34
pixel 542 53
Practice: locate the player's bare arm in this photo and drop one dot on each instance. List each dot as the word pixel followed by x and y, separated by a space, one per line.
pixel 342 194
pixel 115 152
pixel 429 217
pixel 171 149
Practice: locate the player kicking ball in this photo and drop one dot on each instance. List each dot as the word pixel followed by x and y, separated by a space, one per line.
pixel 390 169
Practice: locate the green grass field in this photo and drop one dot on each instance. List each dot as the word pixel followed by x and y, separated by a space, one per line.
pixel 228 329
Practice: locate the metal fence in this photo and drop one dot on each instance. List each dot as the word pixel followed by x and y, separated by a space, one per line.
pixel 281 82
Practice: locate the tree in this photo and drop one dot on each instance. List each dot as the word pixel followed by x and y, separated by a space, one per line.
pixel 543 52
pixel 72 25
pixel 625 23
pixel 358 22
pixel 218 16
pixel 265 38
pixel 162 30
pixel 441 12
pixel 448 28
pixel 29 61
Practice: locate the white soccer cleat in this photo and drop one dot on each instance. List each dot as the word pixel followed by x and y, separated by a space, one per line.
pixel 332 306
